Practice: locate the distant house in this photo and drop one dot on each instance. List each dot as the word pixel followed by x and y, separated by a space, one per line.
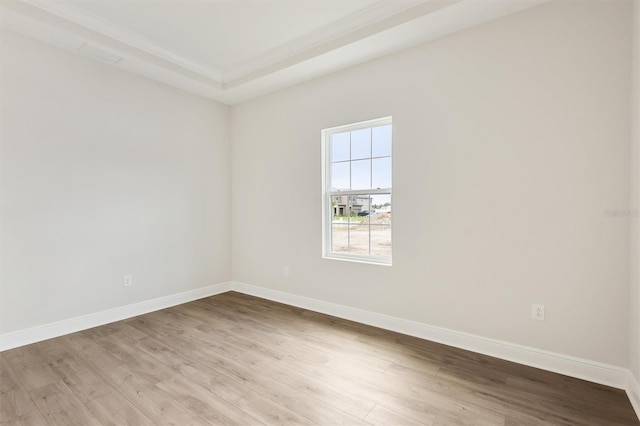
pixel 358 204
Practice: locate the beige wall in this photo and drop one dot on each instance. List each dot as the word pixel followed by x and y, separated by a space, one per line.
pixel 104 174
pixel 634 354
pixel 511 142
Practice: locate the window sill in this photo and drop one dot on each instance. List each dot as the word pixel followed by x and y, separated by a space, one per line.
pixel 369 261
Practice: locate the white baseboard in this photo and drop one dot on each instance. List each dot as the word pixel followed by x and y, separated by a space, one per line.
pixel 633 391
pixel 592 371
pixel 71 325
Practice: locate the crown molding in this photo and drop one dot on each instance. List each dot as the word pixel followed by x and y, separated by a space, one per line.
pixel 384 27
pixel 116 32
pixel 348 29
pixel 39 24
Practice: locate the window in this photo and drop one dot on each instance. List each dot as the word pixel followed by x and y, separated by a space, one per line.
pixel 357 191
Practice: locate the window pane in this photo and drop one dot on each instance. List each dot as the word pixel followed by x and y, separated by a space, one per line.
pixel 359 241
pixel 381 173
pixel 361 174
pixel 380 223
pixel 361 144
pixel 381 235
pixel 340 224
pixel 340 176
pixel 381 202
pixel 382 141
pixel 359 231
pixel 340 147
pixel 360 204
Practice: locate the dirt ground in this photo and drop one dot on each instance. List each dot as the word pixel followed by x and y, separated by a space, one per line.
pixel 354 238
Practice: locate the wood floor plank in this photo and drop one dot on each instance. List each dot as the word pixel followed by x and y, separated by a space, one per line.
pixel 211 406
pixel 261 382
pixel 60 406
pixel 73 370
pixel 407 395
pixel 144 365
pixel 337 397
pixel 361 388
pixel 115 410
pixel 240 360
pixel 27 366
pixel 540 405
pixel 8 380
pixel 260 379
pixel 151 400
pixel 286 345
pixel 569 390
pixel 233 383
pixel 18 407
pixel 90 350
pixel 380 416
pixel 32 417
pixel 516 418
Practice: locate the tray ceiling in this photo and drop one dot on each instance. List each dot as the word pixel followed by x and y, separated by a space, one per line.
pixel 233 50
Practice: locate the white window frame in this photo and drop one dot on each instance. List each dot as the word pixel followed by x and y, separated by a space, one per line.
pixel 327 215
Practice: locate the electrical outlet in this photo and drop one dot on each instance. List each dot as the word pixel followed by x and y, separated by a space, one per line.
pixel 128 281
pixel 285 271
pixel 537 312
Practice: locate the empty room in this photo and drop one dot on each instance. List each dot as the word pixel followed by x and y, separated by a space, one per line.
pixel 329 212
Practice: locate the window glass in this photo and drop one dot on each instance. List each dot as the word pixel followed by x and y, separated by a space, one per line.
pixel 357 213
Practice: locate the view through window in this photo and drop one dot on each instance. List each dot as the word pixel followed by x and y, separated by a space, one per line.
pixel 357 191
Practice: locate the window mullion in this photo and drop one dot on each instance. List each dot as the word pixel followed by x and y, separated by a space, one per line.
pixel 370 186
pixel 349 207
pixel 361 191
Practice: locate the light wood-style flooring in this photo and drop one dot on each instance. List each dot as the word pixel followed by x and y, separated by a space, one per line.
pixel 236 359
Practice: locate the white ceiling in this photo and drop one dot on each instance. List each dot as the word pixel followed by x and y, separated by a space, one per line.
pixel 233 50
pixel 222 35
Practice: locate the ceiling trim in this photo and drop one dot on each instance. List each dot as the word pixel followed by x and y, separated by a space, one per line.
pixel 380 29
pixel 38 23
pixel 364 18
pixel 310 50
pixel 116 32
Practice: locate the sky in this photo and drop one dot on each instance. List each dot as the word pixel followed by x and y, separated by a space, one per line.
pixel 361 159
